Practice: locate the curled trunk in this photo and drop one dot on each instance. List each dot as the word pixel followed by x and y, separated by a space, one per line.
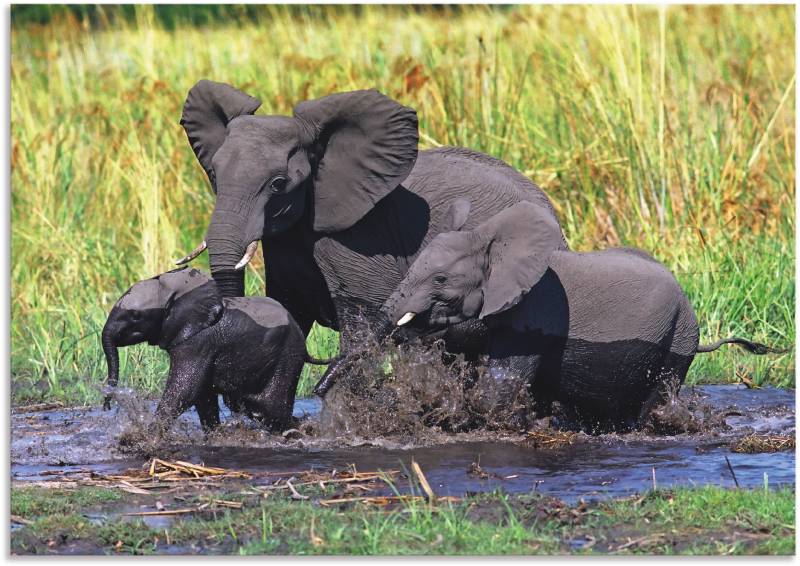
pixel 382 329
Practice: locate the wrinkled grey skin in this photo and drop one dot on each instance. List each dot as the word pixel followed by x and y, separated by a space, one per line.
pixel 602 333
pixel 248 349
pixel 339 196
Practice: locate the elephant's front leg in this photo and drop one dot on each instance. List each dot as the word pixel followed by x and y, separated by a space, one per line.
pixel 186 383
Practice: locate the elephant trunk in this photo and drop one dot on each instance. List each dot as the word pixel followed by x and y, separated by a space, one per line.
pixel 229 282
pixel 112 360
pixel 383 327
pixel 402 307
pixel 225 246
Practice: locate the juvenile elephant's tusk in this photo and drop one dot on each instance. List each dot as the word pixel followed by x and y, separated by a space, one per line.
pixel 248 255
pixel 193 254
pixel 406 318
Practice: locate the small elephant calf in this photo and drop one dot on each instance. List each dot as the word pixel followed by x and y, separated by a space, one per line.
pixel 603 333
pixel 249 349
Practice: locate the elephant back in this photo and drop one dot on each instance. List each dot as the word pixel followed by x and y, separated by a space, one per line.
pixel 443 174
pixel 266 312
pixel 616 294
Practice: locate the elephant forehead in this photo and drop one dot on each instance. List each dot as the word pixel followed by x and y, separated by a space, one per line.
pixel 143 295
pixel 443 251
pixel 184 280
pixel 263 310
pixel 265 129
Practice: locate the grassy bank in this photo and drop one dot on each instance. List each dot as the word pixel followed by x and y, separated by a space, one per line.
pixel 707 520
pixel 672 131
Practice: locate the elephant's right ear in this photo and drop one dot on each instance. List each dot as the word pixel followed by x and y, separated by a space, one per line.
pixel 456 215
pixel 365 144
pixel 520 240
pixel 208 108
pixel 190 312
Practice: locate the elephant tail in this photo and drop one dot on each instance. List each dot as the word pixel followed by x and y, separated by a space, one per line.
pixel 317 361
pixel 752 347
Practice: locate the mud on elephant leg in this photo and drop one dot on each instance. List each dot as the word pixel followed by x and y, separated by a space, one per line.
pixel 185 386
pixel 270 413
pixel 207 406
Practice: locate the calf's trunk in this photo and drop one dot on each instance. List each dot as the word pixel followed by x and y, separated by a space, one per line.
pixel 112 360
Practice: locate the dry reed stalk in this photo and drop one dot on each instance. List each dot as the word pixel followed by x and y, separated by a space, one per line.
pixel 386 499
pixel 423 481
pixel 178 470
pixel 358 477
pixel 164 512
pixel 550 438
pixel 758 443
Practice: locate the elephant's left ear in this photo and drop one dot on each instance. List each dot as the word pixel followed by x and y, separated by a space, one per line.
pixel 520 240
pixel 365 145
pixel 188 313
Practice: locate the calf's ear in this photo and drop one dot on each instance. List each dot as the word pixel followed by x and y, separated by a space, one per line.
pixel 456 215
pixel 190 312
pixel 519 242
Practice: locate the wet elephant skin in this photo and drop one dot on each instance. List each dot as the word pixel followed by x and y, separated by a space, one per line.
pixel 605 334
pixel 248 349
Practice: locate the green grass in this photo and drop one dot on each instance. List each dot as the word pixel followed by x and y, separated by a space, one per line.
pixel 43 502
pixel 707 520
pixel 672 131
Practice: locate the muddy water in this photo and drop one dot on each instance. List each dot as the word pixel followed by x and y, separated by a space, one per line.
pixel 600 466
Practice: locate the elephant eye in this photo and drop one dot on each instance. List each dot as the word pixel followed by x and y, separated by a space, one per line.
pixel 277 184
pixel 440 279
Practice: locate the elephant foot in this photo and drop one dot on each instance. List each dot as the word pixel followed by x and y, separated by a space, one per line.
pixel 110 392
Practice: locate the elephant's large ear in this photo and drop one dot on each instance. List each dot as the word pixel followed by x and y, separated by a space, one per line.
pixel 190 307
pixel 208 108
pixel 365 145
pixel 520 240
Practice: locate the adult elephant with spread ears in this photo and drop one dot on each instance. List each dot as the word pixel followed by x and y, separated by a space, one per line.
pixel 340 197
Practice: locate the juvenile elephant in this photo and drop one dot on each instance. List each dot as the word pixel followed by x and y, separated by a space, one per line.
pixel 602 333
pixel 248 349
pixel 338 194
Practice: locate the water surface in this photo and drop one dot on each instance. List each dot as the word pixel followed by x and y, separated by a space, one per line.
pixel 591 467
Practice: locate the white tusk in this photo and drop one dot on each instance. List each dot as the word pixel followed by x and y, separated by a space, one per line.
pixel 406 318
pixel 248 255
pixel 193 254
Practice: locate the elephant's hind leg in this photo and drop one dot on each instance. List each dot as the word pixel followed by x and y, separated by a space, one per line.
pixel 671 377
pixel 207 406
